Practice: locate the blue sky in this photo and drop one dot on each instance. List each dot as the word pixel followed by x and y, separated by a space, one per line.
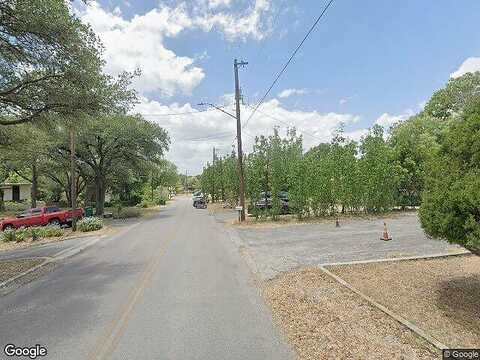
pixel 367 61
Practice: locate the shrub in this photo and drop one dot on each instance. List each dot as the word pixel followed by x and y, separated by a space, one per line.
pixel 162 200
pixel 48 231
pixel 90 224
pixel 35 233
pixel 9 235
pixel 126 213
pixel 146 204
pixel 15 207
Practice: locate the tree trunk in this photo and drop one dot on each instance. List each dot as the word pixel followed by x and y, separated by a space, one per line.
pixel 2 202
pixel 34 189
pixel 99 195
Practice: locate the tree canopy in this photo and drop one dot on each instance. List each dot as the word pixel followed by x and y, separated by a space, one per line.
pixel 50 63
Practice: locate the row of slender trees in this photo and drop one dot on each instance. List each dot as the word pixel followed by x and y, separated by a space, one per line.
pixel 340 176
pixel 430 160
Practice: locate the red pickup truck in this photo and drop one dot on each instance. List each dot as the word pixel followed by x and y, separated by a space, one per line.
pixel 47 215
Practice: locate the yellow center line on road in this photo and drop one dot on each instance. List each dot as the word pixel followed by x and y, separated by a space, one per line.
pixel 108 342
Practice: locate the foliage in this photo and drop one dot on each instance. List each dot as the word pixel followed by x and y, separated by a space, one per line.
pixel 126 213
pixel 110 143
pixel 15 207
pixel 50 64
pixel 414 142
pixel 341 176
pixel 378 174
pixel 9 235
pixel 90 224
pixel 450 204
pixel 452 99
pixel 32 232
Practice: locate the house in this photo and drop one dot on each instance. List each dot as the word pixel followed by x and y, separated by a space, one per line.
pixel 18 191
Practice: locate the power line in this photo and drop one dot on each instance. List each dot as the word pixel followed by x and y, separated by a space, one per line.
pixel 176 114
pixel 208 137
pixel 289 61
pixel 184 113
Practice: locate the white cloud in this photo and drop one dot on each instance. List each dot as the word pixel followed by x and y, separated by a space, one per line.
pixel 387 120
pixel 471 64
pixel 194 135
pixel 255 22
pixel 217 3
pixel 343 101
pixel 291 92
pixel 139 43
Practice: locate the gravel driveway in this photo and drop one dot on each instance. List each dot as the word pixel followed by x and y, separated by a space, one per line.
pixel 276 249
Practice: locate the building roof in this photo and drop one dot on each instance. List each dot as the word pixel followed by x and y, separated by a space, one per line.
pixel 8 184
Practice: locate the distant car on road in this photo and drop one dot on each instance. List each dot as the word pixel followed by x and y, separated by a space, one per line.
pixel 47 215
pixel 197 196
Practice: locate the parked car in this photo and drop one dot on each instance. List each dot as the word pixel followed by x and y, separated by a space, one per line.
pixel 265 201
pixel 200 204
pixel 197 196
pixel 47 215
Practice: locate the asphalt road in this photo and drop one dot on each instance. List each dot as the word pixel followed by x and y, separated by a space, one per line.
pixel 171 287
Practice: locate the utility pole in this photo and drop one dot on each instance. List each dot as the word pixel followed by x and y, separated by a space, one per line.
pixel 236 64
pixel 213 183
pixel 186 180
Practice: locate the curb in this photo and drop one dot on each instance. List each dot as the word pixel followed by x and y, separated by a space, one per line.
pixel 420 257
pixel 395 316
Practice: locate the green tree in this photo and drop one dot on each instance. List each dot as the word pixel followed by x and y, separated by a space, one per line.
pixel 454 97
pixel 378 173
pixel 25 153
pixel 450 204
pixel 414 141
pixel 110 144
pixel 51 63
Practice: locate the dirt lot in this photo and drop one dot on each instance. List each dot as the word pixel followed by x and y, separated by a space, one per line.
pixel 324 320
pixel 441 296
pixel 10 268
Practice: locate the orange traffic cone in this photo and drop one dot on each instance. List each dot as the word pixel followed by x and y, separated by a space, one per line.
pixel 385 236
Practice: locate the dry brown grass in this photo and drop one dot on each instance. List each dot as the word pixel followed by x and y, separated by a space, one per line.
pixel 324 320
pixel 441 296
pixel 11 268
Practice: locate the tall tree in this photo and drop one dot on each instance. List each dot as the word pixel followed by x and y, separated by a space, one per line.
pixel 451 201
pixel 50 63
pixel 107 143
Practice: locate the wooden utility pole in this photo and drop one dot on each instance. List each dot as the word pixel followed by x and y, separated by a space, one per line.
pixel 73 179
pixel 186 180
pixel 236 64
pixel 213 174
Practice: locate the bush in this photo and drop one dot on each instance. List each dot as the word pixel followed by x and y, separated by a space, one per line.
pixel 146 204
pixel 16 207
pixel 126 213
pixel 450 201
pixel 162 200
pixel 35 233
pixel 9 235
pixel 90 224
pixel 48 231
